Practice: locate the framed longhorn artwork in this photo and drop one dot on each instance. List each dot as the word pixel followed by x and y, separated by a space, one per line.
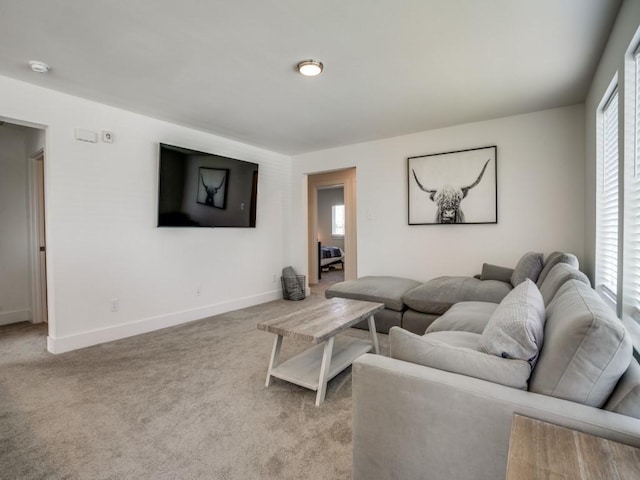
pixel 212 187
pixel 454 187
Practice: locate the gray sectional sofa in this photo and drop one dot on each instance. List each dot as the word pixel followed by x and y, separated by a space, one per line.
pixel 415 305
pixel 441 406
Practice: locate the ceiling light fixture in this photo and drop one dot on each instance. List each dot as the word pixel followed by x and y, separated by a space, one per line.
pixel 39 67
pixel 310 68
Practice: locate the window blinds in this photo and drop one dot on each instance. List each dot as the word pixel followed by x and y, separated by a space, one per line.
pixel 631 302
pixel 607 206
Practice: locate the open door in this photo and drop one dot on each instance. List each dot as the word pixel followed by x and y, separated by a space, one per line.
pixel 38 243
pixel 348 179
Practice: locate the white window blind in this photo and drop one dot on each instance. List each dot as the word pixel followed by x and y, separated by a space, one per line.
pixel 631 302
pixel 607 202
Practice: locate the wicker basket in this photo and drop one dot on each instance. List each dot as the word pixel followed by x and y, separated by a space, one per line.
pixel 293 288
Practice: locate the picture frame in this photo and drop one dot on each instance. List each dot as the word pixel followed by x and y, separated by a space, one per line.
pixel 453 188
pixel 212 187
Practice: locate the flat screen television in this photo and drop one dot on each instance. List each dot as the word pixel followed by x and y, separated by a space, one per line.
pixel 198 189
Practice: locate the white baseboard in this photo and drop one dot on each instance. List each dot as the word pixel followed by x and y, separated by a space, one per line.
pixel 137 327
pixel 15 316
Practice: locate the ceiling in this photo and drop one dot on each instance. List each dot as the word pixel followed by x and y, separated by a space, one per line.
pixel 391 67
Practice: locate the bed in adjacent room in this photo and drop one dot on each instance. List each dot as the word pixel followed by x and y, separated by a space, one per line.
pixel 329 256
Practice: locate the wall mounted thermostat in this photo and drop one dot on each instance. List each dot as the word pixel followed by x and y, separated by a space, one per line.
pixel 86 135
pixel 107 137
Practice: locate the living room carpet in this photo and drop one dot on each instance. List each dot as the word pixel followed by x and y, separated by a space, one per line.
pixel 187 402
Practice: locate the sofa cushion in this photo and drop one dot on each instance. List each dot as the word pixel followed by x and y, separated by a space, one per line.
pixel 558 275
pixel 387 290
pixel 516 327
pixel 464 317
pixel 529 266
pixel 586 348
pixel 385 319
pixel 552 260
pixel 625 398
pixel 494 272
pixel 457 352
pixel 417 322
pixel 437 295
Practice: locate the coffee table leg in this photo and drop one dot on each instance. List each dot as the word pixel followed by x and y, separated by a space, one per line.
pixel 275 353
pixel 374 335
pixel 324 371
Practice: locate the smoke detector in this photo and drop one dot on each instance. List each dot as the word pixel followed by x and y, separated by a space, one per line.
pixel 39 67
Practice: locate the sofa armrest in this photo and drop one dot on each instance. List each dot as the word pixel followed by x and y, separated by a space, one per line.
pixel 413 422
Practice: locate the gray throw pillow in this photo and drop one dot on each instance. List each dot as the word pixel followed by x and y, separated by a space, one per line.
pixel 516 328
pixel 529 266
pixel 494 272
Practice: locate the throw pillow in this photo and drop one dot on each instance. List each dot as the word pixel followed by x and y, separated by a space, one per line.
pixel 529 266
pixel 516 328
pixel 494 272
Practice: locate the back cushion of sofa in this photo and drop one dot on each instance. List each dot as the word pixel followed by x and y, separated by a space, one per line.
pixel 625 398
pixel 558 275
pixel 555 258
pixel 529 266
pixel 586 348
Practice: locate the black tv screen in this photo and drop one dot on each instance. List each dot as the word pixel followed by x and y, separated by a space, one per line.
pixel 198 189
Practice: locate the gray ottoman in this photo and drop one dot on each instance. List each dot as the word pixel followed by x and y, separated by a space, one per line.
pixel 387 290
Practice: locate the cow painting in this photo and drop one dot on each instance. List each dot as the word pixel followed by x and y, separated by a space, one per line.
pixel 448 198
pixel 212 187
pixel 212 191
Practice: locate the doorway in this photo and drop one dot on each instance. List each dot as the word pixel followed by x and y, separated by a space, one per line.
pixel 331 185
pixel 23 296
pixel 331 229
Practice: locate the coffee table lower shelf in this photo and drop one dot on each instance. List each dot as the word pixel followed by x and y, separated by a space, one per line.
pixel 305 368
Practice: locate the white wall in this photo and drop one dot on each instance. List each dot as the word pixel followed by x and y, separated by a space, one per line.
pixel 611 63
pixel 15 303
pixel 540 196
pixel 101 215
pixel 327 198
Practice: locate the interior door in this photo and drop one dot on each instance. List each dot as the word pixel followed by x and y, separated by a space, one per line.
pixel 41 273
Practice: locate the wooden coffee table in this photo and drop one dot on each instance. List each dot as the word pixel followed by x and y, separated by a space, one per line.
pixel 320 324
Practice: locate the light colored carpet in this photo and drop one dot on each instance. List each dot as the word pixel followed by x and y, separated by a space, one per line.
pixel 188 402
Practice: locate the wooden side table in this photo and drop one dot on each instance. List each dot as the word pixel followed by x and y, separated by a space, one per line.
pixel 540 450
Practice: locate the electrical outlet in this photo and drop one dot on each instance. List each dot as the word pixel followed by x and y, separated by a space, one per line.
pixel 198 290
pixel 115 304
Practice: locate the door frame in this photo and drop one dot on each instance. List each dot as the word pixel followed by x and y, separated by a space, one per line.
pixel 347 178
pixel 38 277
